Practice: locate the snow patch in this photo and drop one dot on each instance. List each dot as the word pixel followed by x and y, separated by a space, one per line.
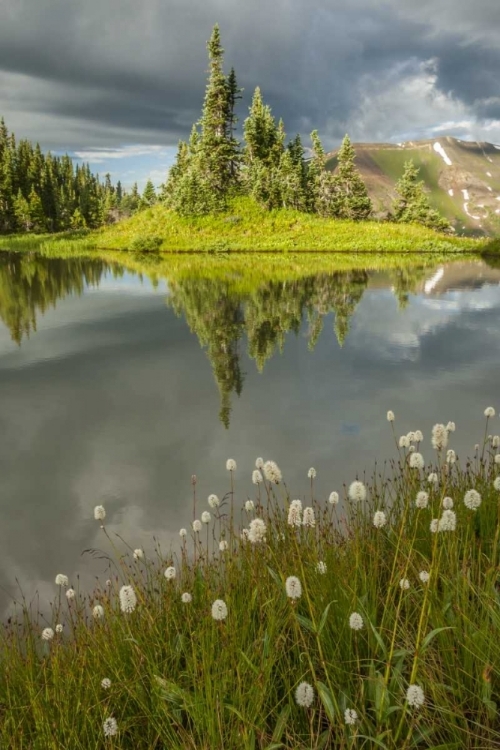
pixel 431 283
pixel 465 193
pixel 450 192
pixel 498 147
pixel 489 174
pixel 440 150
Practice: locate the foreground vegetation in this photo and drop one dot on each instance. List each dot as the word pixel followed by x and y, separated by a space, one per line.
pixel 366 623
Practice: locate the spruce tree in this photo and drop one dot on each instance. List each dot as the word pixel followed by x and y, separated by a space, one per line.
pixel 321 185
pixel 148 197
pixel 352 201
pixel 412 205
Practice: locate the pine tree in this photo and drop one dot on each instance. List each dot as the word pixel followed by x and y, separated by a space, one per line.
pixel 264 148
pixel 22 213
pixel 37 215
pixel 148 198
pixel 412 205
pixel 233 95
pixel 352 201
pixel 321 184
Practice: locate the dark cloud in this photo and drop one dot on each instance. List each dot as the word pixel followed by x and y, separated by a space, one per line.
pixel 96 73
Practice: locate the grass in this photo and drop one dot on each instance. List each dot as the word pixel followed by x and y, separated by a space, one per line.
pixel 181 679
pixel 248 228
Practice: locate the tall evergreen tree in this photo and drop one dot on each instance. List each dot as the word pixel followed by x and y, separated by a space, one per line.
pixel 412 205
pixel 352 201
pixel 148 197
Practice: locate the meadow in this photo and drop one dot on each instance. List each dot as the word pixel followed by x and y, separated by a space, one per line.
pixel 365 619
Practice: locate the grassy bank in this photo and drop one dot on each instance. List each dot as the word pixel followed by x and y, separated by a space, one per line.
pixel 393 627
pixel 248 228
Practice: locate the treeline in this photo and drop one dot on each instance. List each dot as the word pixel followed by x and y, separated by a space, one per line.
pixel 46 193
pixel 213 165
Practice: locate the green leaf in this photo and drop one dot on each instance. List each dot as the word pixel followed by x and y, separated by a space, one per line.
pixel 306 623
pixel 379 640
pixel 374 740
pixel 252 666
pixel 430 636
pixel 327 701
pixel 280 725
pixel 275 577
pixel 322 622
pixel 235 711
pixel 274 746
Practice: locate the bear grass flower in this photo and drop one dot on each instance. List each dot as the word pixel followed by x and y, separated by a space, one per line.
pixel 293 587
pixel 295 513
pixel 231 464
pixel 259 463
pixel 70 594
pixel 321 568
pixel 390 416
pixel 61 580
pixel 451 456
pixel 496 484
pixel 489 412
pixel 495 441
pixel 497 458
pixel 182 533
pixel 415 696
pixel 205 517
pixel 110 727
pixel 350 716
pixel 308 518
pixel 128 599
pixel 304 695
pixel 223 545
pixel 257 531
pixel 197 525
pixel 434 525
pixel 98 612
pixel 416 461
pixel 106 683
pixel 450 427
pixel 257 477
pixel 422 500
pixel 219 610
pixel 472 499
pixel 439 437
pixel 249 506
pixel 99 513
pixel 272 472
pixel 404 584
pixel 433 478
pixel 170 573
pixel 138 554
pixel 424 576
pixel 186 598
pixel 447 503
pixel 47 634
pixel 379 519
pixel 418 436
pixel 357 491
pixel 59 628
pixel 311 473
pixel 334 498
pixel 356 621
pixel 213 501
pixel 448 521
pixel 404 441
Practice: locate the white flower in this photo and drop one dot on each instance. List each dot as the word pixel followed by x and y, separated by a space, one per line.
pixel 272 472
pixel 350 716
pixel 411 437
pixel 451 456
pixel 404 442
pixel 59 628
pixel 70 594
pixel 497 458
pixel 390 416
pixel 472 499
pixel 197 525
pixel 416 461
pixel 404 584
pixel 489 411
pixel 257 477
pixel 439 436
pixel 138 554
pixel 357 491
pixel 295 513
pixel 476 447
pixel 259 463
pixel 418 436
pixel 355 621
pixel 205 517
pixel 106 683
pixel 186 598
pixel 495 443
pixel 321 567
pixel 434 525
pixel 304 695
pixel 223 545
pixel 424 576
pixel 411 449
pixel 448 521
pixel 61 580
pixel 219 610
pixel 244 535
pixel 308 518
pixel 450 426
pixel 231 464
pixel 496 484
pixel 257 531
pixel 110 727
pixel 99 513
pixel 379 519
pixel 422 500
pixel 108 582
pixel 334 498
pixel 47 634
pixel 311 473
pixel 293 587
pixel 213 501
pixel 170 573
pixel 415 696
pixel 433 478
pixel 128 599
pixel 98 612
pixel 447 503
pixel 183 533
pixel 249 506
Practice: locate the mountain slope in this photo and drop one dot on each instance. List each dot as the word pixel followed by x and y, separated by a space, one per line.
pixel 462 178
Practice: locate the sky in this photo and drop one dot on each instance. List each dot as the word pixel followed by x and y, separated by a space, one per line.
pixel 118 82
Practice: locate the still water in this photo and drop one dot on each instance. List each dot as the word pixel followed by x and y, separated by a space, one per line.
pixel 116 387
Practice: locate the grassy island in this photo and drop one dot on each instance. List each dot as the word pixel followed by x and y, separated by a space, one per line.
pixel 366 619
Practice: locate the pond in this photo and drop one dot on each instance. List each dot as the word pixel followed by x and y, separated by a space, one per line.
pixel 119 381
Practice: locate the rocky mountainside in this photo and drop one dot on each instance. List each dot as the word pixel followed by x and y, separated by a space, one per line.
pixel 462 178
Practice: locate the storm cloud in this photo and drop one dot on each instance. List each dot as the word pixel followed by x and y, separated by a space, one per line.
pixel 80 76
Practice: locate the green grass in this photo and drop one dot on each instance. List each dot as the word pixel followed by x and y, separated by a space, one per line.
pixel 180 679
pixel 248 228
